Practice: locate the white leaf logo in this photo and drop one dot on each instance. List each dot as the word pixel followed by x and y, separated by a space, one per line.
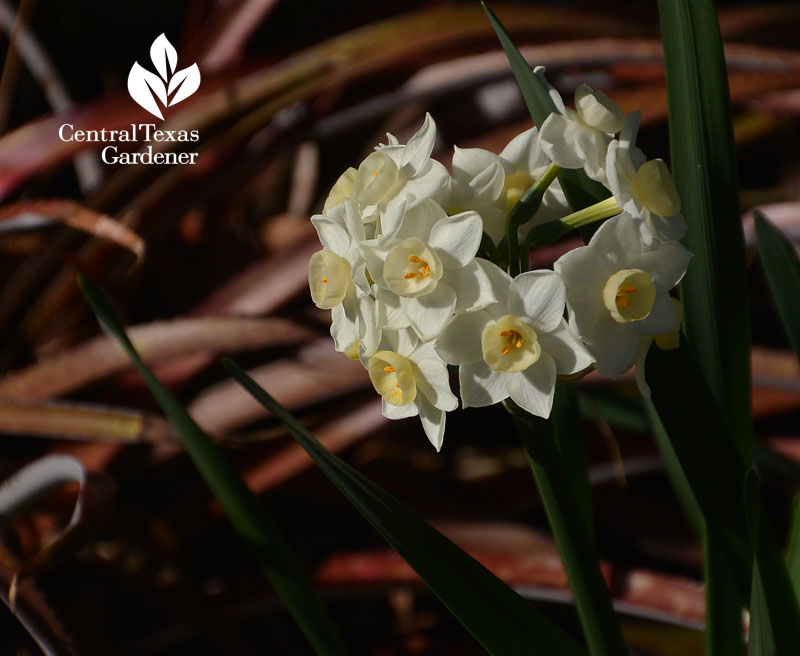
pixel 186 83
pixel 145 87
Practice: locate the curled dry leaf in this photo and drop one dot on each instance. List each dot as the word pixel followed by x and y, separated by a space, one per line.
pixel 33 611
pixel 39 213
pixel 23 490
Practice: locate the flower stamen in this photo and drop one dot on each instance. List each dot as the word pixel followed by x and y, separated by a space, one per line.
pixel 629 295
pixel 412 269
pixel 388 369
pixel 510 345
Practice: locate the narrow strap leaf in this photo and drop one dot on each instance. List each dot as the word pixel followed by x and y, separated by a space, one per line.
pixel 492 612
pixel 714 290
pixel 777 615
pixel 578 188
pixel 782 269
pixel 571 531
pixel 246 513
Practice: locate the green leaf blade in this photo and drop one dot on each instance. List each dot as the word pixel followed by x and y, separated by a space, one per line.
pixel 776 614
pixel 782 269
pixel 246 513
pixel 702 442
pixel 566 514
pixel 493 613
pixel 713 292
pixel 578 188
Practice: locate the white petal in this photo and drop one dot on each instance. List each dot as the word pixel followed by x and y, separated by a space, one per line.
pixel 471 162
pixel 533 389
pixel 391 411
pixel 500 281
pixel 390 310
pixel 473 285
pixel 614 347
pixel 402 341
pixel 641 357
pixel 494 221
pixel 419 148
pixel 667 263
pixel 433 422
pixel 429 314
pixel 568 352
pixel 539 72
pixel 618 243
pixel 613 174
pixel 597 110
pixel 435 382
pixel 369 335
pixel 539 296
pixel 343 330
pixel 457 238
pixel 480 386
pixel 662 317
pixel 332 234
pixel 392 217
pixel 658 229
pixel 524 152
pixel 627 137
pixel 557 137
pixel 430 183
pixel 460 342
pixel 592 146
pixel 419 220
pixel 584 277
pixel 353 223
pixel 488 185
pixel 374 255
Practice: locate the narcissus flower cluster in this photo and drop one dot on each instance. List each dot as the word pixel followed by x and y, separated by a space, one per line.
pixel 413 269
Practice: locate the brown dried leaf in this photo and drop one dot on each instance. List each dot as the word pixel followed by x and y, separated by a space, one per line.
pixel 35 213
pixel 160 340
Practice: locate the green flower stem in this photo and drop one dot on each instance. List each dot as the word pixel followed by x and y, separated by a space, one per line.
pixel 574 541
pixel 522 212
pixel 602 210
pixel 546 233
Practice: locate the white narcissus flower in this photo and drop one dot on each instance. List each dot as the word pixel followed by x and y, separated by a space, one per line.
pixel 500 180
pixel 517 347
pixel 618 292
pixel 644 189
pixel 579 138
pixel 426 270
pixel 338 281
pixel 666 342
pixel 393 173
pixel 413 381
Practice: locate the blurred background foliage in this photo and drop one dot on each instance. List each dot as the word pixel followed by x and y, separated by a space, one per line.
pixel 293 92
